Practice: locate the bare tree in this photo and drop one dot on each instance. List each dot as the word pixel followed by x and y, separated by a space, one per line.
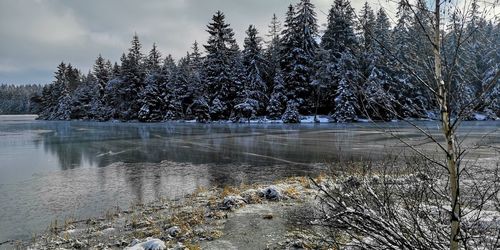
pixel 371 208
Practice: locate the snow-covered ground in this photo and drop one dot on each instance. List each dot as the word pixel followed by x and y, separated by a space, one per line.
pixel 431 116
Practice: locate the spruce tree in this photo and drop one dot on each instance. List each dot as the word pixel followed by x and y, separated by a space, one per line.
pixel 339 34
pixel 278 100
pixel 272 53
pixel 254 64
pixel 219 67
pixel 346 97
pixel 379 88
pixel 132 75
pixel 298 53
pixel 153 61
pixel 86 100
pixel 291 114
pixel 195 78
pixel 409 97
pixel 172 108
pixel 367 25
pixel 102 74
pixel 340 47
pixel 150 97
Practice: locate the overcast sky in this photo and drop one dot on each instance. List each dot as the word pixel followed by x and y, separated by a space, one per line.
pixel 36 35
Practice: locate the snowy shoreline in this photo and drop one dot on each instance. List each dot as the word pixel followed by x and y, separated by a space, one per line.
pixel 198 221
pixel 303 119
pixel 281 215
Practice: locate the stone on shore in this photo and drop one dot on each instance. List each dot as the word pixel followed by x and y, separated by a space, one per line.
pixel 148 244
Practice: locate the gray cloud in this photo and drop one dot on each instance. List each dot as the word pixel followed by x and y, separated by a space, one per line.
pixel 36 35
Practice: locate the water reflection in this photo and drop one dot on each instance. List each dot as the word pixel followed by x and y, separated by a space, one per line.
pixel 97 144
pixel 55 169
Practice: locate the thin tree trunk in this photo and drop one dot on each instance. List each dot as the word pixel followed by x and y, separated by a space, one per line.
pixel 448 133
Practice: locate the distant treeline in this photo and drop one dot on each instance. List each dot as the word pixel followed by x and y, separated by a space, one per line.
pixel 361 65
pixel 19 99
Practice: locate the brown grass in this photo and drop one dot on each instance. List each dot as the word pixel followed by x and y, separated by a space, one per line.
pixel 192 246
pixel 229 190
pixel 304 181
pixel 188 220
pixel 291 192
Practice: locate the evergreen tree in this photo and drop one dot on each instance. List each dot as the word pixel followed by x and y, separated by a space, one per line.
pixel 291 114
pixel 278 100
pixel 52 92
pixel 323 86
pixel 298 53
pixel 86 100
pixel 367 26
pixel 254 63
pixel 339 60
pixel 201 110
pixel 116 70
pixel 57 97
pixel 150 98
pixel 346 74
pixel 219 66
pixel 132 76
pixel 345 100
pixel 339 34
pixel 409 97
pixel 153 61
pixel 272 53
pixel 379 88
pixel 195 79
pixel 172 108
pixel 182 91
pixel 73 78
pixel 102 74
pixel 421 51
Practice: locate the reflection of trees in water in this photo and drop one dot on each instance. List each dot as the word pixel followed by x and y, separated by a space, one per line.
pixel 237 153
pixel 57 143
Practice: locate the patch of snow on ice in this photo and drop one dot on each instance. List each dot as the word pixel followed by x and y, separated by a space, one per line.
pixel 149 244
pixel 363 120
pixel 310 119
pixel 480 117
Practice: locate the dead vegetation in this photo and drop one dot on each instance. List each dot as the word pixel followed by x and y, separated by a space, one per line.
pixel 198 217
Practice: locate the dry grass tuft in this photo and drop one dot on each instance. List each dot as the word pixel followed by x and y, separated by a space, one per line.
pixel 291 192
pixel 321 177
pixel 304 182
pixel 188 220
pixel 229 190
pixel 216 234
pixel 192 246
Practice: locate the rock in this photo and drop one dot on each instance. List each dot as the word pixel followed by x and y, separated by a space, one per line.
pixel 251 196
pixel 268 216
pixel 134 242
pixel 352 182
pixel 199 231
pixel 148 244
pixel 119 243
pixel 272 193
pixel 179 246
pixel 297 244
pixel 231 202
pixel 78 244
pixel 174 231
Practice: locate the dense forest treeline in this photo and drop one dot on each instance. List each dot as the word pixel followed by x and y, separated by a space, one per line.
pixel 19 99
pixel 361 65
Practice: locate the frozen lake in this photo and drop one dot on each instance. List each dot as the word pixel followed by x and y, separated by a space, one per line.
pixel 54 170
